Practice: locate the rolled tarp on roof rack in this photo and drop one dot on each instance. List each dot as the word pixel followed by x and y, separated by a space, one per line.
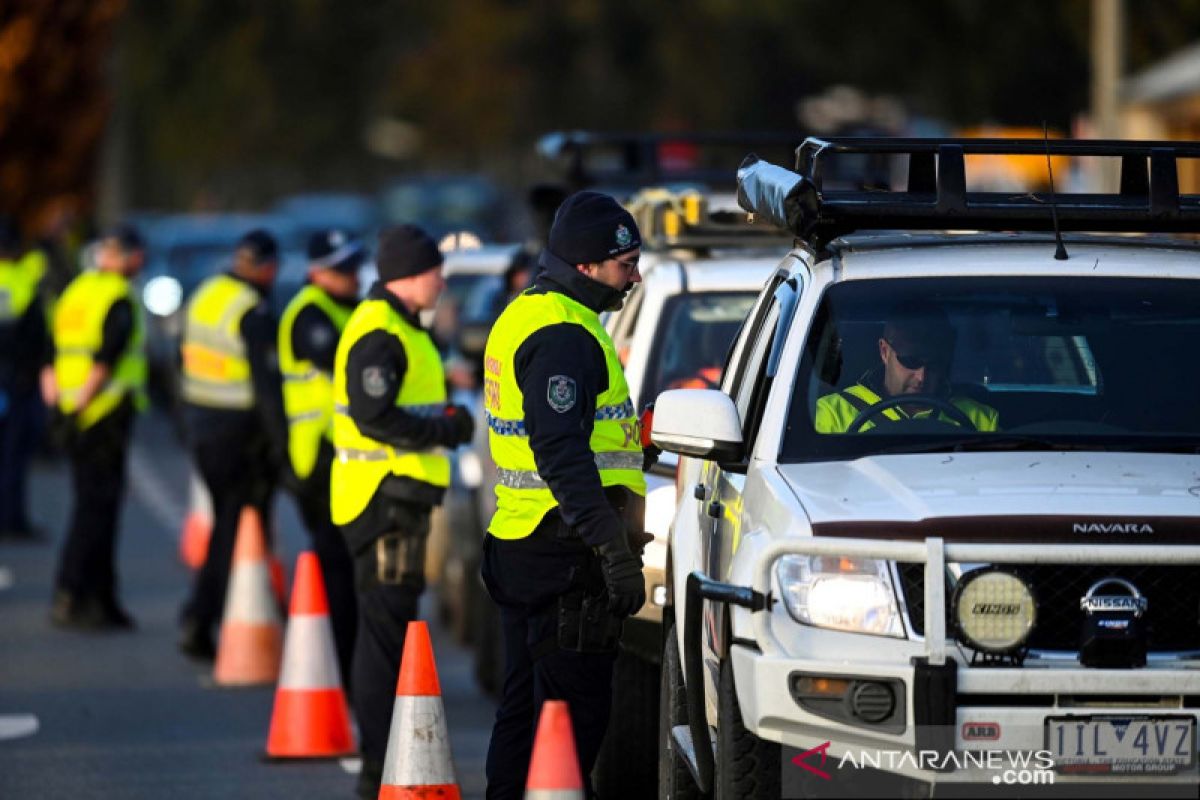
pixel 936 197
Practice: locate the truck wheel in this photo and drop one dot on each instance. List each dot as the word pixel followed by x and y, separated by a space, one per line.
pixel 628 761
pixel 675 780
pixel 746 766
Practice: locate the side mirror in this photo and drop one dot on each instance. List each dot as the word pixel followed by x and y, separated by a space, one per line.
pixel 472 339
pixel 703 423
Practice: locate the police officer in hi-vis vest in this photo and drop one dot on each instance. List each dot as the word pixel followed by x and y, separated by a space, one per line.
pixel 233 412
pixel 96 384
pixel 308 339
pixel 391 424
pixel 562 554
pixel 24 346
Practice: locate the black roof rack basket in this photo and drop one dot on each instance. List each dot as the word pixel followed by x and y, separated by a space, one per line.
pixel 936 196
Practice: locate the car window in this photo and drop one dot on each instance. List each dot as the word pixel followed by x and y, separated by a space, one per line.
pixel 693 335
pixel 1065 362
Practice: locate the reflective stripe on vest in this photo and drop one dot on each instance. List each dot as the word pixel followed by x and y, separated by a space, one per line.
pixel 516 427
pixel 216 371
pixel 78 331
pixel 307 391
pixel 363 463
pixel 522 496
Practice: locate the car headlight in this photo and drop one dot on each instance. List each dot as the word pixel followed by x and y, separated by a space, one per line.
pixel 845 594
pixel 470 470
pixel 162 295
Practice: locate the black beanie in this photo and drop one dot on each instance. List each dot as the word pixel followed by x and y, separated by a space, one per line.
pixel 405 251
pixel 261 244
pixel 591 227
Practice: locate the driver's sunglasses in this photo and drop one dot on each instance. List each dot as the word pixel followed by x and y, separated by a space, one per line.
pixel 915 362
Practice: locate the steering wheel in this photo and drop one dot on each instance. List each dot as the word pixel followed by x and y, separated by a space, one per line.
pixel 929 401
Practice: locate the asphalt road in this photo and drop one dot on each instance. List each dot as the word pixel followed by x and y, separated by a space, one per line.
pixel 124 715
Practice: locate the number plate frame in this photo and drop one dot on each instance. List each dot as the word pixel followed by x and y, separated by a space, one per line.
pixel 1097 763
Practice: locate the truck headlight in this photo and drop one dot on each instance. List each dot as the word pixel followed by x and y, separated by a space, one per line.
pixel 845 594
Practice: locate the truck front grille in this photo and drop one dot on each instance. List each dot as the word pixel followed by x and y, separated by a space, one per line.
pixel 1172 614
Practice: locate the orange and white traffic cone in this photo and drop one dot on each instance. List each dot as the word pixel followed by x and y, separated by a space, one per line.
pixel 197 525
pixel 311 718
pixel 251 633
pixel 417 764
pixel 554 767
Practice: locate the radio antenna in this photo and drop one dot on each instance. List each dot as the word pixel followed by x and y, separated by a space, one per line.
pixel 1060 250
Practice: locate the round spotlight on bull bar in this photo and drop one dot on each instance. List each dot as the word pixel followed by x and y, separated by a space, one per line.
pixel 994 611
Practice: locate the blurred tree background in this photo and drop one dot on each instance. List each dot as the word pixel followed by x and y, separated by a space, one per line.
pixel 230 103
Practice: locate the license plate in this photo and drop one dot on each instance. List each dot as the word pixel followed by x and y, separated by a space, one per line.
pixel 1122 745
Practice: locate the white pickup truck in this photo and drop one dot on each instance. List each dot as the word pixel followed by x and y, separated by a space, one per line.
pixel 941 521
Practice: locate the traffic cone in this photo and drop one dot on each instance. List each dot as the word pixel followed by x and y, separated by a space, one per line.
pixel 251 633
pixel 417 764
pixel 197 525
pixel 311 718
pixel 554 767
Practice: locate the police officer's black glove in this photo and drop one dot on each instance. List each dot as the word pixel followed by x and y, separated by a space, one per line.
pixel 650 453
pixel 623 577
pixel 462 425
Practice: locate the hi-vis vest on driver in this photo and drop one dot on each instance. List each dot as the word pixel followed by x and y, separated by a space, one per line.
pixel 307 391
pixel 79 332
pixel 216 370
pixel 836 412
pixel 522 497
pixel 362 463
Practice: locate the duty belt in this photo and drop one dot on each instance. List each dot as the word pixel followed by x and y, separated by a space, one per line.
pixel 516 427
pixel 530 479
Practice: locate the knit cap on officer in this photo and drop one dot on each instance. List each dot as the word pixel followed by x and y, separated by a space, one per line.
pixel 406 251
pixel 591 227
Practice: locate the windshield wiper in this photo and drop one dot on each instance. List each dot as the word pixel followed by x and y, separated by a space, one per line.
pixel 989 442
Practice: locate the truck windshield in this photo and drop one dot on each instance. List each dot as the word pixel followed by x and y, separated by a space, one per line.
pixel 981 363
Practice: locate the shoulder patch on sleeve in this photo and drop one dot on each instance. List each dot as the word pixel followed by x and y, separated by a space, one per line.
pixel 373 381
pixel 561 393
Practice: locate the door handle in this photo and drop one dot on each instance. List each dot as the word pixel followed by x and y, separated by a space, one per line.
pixel 699 492
pixel 715 508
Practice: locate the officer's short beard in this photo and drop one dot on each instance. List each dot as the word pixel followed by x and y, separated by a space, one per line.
pixel 619 302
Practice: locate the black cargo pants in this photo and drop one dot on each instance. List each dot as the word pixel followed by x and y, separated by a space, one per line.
pixel 526 577
pixel 389 570
pixel 86 566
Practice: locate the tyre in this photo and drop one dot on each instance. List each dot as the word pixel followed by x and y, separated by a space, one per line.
pixel 675 780
pixel 746 766
pixel 627 765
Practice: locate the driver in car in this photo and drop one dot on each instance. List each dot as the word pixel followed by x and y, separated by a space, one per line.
pixel 912 382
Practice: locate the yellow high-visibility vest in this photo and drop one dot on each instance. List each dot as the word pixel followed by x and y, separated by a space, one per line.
pixel 216 369
pixel 522 497
pixel 19 281
pixel 307 391
pixel 78 330
pixel 835 413
pixel 361 463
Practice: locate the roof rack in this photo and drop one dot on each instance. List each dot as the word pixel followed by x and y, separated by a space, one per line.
pixel 685 219
pixel 936 197
pixel 589 158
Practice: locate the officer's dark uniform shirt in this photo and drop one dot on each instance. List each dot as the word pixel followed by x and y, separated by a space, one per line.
pixel 259 331
pixel 561 441
pixel 25 347
pixel 315 337
pixel 375 412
